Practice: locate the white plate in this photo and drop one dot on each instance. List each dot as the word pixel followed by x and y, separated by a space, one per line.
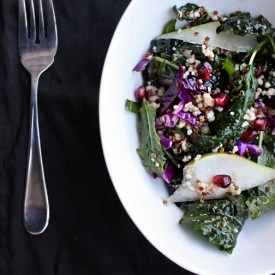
pixel 139 193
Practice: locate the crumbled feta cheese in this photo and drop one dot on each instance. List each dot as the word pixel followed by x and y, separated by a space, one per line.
pixel 153 98
pixel 198 157
pixel 243 66
pixel 267 85
pixel 232 113
pixel 269 92
pixel 187 53
pixel 210 115
pixel 219 109
pixel 184 145
pixel 186 159
pixel 191 60
pixel 235 149
pixel 208 100
pixel 245 124
pixel 189 107
pixel 250 114
pixel 181 124
pixel 189 132
pixel 152 89
pixel 207 51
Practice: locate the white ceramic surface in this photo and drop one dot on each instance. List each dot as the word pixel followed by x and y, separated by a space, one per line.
pixel 139 193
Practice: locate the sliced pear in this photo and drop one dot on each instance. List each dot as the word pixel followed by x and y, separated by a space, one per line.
pixel 245 174
pixel 226 40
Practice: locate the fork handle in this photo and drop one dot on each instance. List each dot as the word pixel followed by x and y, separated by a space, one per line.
pixel 36 205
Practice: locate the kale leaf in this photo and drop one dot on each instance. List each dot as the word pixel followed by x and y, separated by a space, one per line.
pixel 132 106
pixel 267 158
pixel 243 23
pixel 186 13
pixel 261 199
pixel 170 26
pixel 219 220
pixel 231 133
pixel 229 67
pixel 150 149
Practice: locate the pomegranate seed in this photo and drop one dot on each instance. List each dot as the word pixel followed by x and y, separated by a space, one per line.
pixel 140 93
pixel 205 71
pixel 221 100
pixel 260 124
pixel 222 181
pixel 249 135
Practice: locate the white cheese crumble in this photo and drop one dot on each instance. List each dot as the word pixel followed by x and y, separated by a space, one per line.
pixel 207 51
pixel 210 115
pixel 245 124
pixel 189 107
pixel 208 100
pixel 186 159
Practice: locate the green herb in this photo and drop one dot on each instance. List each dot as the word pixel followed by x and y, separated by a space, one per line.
pixel 150 150
pixel 168 46
pixel 229 67
pixel 231 133
pixel 167 69
pixel 267 158
pixel 243 23
pixel 132 106
pixel 183 13
pixel 219 220
pixel 261 199
pixel 170 26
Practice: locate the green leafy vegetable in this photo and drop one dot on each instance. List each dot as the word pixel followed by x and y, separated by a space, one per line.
pixel 243 23
pixel 267 157
pixel 229 67
pixel 167 69
pixel 233 130
pixel 132 106
pixel 186 13
pixel 150 150
pixel 170 26
pixel 219 220
pixel 261 199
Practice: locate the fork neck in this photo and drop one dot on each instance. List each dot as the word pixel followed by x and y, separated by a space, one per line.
pixel 34 84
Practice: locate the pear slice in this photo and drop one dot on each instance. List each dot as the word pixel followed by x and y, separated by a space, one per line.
pixel 226 40
pixel 198 174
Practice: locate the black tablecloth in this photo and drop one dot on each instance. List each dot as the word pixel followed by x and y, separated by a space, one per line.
pixel 89 231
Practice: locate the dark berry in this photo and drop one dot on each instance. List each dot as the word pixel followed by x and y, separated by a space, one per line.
pixel 205 71
pixel 221 100
pixel 260 124
pixel 222 181
pixel 141 93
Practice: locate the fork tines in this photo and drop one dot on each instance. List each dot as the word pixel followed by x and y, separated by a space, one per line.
pixel 36 22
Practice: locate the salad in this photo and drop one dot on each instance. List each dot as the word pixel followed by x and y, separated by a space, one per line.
pixel 207 118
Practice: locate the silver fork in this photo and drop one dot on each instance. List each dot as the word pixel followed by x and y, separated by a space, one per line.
pixel 37 41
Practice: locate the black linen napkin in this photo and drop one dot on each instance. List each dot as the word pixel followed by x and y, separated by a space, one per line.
pixel 89 232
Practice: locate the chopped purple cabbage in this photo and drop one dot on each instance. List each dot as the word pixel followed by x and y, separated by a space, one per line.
pixel 254 150
pixel 171 94
pixel 143 62
pixel 168 120
pixel 166 142
pixel 168 173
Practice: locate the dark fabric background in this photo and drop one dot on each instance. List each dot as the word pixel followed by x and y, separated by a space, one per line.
pixel 89 231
